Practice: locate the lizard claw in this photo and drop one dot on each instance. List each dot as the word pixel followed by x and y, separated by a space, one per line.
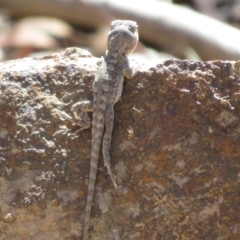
pixel 114 182
pixel 113 178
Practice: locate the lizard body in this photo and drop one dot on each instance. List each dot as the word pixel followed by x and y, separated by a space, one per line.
pixel 107 90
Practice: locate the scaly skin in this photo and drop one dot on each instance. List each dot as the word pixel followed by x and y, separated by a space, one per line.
pixel 107 90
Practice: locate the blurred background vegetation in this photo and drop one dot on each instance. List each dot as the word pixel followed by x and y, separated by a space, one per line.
pixel 183 29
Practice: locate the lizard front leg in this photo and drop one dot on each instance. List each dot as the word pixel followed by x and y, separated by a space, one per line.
pixel 80 110
pixel 128 70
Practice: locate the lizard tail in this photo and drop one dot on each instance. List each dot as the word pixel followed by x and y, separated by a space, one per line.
pixel 97 133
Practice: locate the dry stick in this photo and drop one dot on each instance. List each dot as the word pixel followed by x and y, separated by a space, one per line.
pixel 164 24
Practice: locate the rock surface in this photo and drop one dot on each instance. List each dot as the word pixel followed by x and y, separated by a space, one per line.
pixel 175 152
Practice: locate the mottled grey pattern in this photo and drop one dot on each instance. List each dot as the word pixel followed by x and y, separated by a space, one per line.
pixel 107 89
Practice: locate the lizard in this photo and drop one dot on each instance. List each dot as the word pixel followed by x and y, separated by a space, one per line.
pixel 107 90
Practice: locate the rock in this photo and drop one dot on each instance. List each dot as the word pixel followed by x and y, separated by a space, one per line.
pixel 175 150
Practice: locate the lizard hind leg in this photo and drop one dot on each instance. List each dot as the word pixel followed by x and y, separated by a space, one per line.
pixel 109 118
pixel 80 110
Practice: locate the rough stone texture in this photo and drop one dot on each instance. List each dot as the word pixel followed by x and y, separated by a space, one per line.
pixel 175 152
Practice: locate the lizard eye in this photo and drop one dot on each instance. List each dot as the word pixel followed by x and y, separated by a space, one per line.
pixel 133 28
pixel 115 23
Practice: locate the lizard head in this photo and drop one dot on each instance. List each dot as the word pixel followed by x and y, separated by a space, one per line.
pixel 122 37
